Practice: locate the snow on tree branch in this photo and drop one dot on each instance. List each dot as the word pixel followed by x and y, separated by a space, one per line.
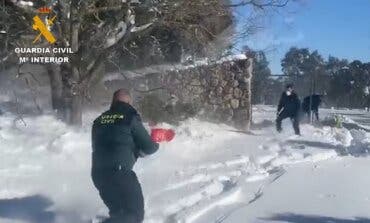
pixel 22 3
pixel 141 28
pixel 118 35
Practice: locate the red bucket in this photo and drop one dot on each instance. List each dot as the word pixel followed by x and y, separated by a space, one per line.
pixel 162 135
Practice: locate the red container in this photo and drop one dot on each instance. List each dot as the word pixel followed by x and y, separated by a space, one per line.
pixel 162 135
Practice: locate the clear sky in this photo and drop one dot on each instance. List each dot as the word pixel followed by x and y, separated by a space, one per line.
pixel 339 28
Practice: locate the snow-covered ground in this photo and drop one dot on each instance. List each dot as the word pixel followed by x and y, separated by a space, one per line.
pixel 208 174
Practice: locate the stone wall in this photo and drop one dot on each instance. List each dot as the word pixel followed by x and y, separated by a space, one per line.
pixel 221 91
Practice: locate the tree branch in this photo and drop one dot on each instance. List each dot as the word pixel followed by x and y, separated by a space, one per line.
pixel 93 10
pixel 261 5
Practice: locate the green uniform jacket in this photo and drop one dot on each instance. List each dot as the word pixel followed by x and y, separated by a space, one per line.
pixel 119 138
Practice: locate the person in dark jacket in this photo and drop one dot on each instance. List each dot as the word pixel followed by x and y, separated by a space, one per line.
pixel 313 100
pixel 118 140
pixel 288 107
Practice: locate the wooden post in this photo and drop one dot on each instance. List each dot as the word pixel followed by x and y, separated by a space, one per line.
pixel 249 97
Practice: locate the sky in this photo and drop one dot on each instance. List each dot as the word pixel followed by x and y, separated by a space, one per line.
pixel 340 28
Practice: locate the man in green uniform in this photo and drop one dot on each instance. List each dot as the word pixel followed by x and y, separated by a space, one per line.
pixel 118 139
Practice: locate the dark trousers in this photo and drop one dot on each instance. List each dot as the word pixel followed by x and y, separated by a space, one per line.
pixel 315 112
pixel 293 118
pixel 121 192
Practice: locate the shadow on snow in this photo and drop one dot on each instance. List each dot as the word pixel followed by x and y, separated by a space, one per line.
pixel 32 209
pixel 299 218
pixel 356 150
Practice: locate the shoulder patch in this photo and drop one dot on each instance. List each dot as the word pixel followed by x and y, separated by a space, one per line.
pixel 111 118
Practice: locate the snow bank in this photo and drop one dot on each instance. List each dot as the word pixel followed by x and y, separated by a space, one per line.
pixel 206 166
pixel 336 136
pixel 41 155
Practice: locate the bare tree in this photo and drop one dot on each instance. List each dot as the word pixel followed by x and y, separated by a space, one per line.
pixel 99 31
pixel 93 30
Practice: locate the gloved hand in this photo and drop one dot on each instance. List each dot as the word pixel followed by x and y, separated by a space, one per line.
pixel 162 135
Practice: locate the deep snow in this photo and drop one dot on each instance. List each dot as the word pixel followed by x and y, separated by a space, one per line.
pixel 209 173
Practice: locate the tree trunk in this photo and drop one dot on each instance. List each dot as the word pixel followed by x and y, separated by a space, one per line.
pixel 56 90
pixel 66 96
pixel 72 90
pixel 250 76
pixel 72 98
pixel 76 98
pixel 76 110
